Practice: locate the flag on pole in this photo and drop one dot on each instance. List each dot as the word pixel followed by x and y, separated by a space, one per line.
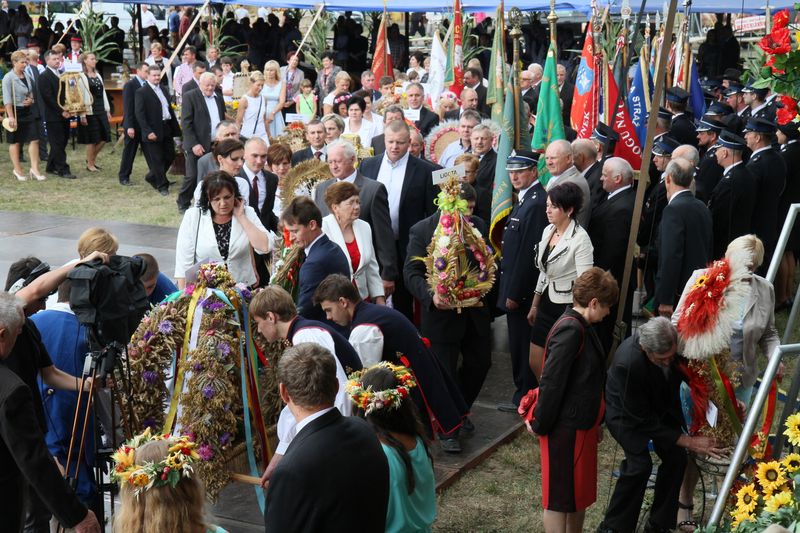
pixel 497 68
pixel 640 96
pixel 628 146
pixel 549 123
pixel 697 100
pixel 382 59
pixel 436 73
pixel 586 97
pixel 502 193
pixel 455 54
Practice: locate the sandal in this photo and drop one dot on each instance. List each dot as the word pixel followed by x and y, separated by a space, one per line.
pixel 684 525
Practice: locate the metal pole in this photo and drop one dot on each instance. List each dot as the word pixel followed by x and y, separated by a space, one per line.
pixel 142 52
pixel 753 415
pixel 552 18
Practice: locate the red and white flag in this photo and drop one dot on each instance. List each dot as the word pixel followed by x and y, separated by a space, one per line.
pixel 628 146
pixel 382 59
pixel 586 98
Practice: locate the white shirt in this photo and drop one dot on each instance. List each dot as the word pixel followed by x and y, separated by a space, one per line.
pixel 310 418
pixel 392 176
pixel 227 84
pixel 148 19
pixel 613 194
pixel 676 195
pixel 312 243
pixel 351 178
pixel 162 99
pixel 451 152
pixel 522 192
pixel 759 108
pixel 213 110
pixel 323 152
pixel 262 185
pixel 366 132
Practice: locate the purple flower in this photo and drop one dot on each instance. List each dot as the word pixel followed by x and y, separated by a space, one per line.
pixel 246 294
pixel 213 305
pixel 197 367
pixel 149 376
pixel 224 348
pixel 440 264
pixel 483 276
pixel 227 407
pixel 208 392
pixel 165 326
pixel 225 438
pixel 148 335
pixel 205 452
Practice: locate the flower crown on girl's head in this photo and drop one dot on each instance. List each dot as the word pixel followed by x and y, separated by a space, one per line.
pixel 370 400
pixel 174 467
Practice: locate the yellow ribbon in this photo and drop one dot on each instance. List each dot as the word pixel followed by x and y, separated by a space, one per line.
pixel 448 204
pixel 180 369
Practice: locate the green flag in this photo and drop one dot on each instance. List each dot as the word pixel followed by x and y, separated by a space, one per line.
pixel 502 192
pixel 549 122
pixel 497 68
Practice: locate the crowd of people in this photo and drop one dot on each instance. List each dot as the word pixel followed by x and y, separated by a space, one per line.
pixel 721 181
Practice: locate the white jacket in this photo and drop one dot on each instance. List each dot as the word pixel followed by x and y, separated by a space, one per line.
pixel 367 276
pixel 572 256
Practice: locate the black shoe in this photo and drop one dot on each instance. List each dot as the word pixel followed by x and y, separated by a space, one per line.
pixel 68 175
pixel 507 407
pixel 468 426
pixel 125 182
pixel 450 445
pixel 603 529
pixel 163 192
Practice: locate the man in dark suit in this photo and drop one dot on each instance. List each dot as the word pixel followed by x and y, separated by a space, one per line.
pixel 263 185
pixel 316 149
pixel 202 110
pixel 33 70
pixel 24 457
pixel 566 91
pixel 527 91
pixel 410 192
pixel 132 131
pixel 312 488
pixel 374 206
pixel 643 405
pixel 158 125
pixel 708 172
pixel 518 272
pixel 756 100
pixel 584 157
pixel 685 238
pixel 733 200
pixel 390 114
pixel 605 141
pixel 57 119
pixel 303 220
pixel 481 146
pixel 609 228
pixel 466 332
pixel 768 168
pixel 473 79
pixel 469 100
pixel 427 120
pixel 682 128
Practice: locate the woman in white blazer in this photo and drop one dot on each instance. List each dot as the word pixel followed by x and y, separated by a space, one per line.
pixel 221 229
pixel 354 237
pixel 564 253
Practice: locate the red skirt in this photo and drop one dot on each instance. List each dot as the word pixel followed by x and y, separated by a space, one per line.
pixel 569 469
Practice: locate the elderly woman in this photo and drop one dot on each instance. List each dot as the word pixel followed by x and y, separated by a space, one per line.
pixel 18 98
pixel 221 228
pixel 229 156
pixel 95 132
pixel 570 405
pixel 342 86
pixel 754 329
pixel 354 237
pixel 279 162
pixel 356 124
pixel 292 78
pixel 564 253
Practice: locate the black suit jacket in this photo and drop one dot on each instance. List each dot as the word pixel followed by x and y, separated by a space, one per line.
pixel 708 175
pixel 642 404
pixel 597 194
pixel 375 212
pixel 324 259
pixel 313 487
pixel 416 198
pixel 523 231
pixel 484 185
pixel 531 98
pixel 769 170
pixel 129 104
pixel 427 121
pixel 566 93
pixel 651 216
pixel 685 244
pixel 573 377
pixel 36 93
pixel 25 460
pixel 683 130
pixel 302 155
pixel 483 108
pixel 378 144
pixel 609 228
pixel 265 214
pixel 732 204
pixel 48 89
pixel 438 325
pixel 190 85
pixel 195 120
pixel 149 117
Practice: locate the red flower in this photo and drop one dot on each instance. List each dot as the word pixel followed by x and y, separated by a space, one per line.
pixel 780 19
pixel 785 115
pixel 777 42
pixel 770 63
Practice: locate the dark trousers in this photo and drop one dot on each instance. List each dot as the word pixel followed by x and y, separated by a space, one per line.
pixel 626 502
pixel 41 134
pixel 476 351
pixel 401 298
pixel 128 155
pixel 189 181
pixel 57 136
pixel 159 155
pixel 519 344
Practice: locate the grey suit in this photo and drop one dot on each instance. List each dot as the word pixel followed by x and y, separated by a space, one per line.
pixel 375 211
pixel 573 175
pixel 206 165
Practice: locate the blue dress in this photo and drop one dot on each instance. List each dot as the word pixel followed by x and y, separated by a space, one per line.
pixel 273 96
pixel 409 513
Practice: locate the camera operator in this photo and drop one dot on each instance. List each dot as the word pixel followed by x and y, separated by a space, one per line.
pixel 24 458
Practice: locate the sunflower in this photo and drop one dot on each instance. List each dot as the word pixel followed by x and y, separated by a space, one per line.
pixel 746 499
pixel 739 517
pixel 793 429
pixel 778 500
pixel 770 476
pixel 791 462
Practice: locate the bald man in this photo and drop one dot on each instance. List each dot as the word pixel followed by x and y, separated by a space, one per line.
pixel 584 156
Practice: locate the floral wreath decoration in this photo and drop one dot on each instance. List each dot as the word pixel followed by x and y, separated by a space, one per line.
pixel 371 400
pixel 167 472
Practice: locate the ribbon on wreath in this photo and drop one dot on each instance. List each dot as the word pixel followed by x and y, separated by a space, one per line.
pixel 180 367
pixel 759 443
pixel 726 395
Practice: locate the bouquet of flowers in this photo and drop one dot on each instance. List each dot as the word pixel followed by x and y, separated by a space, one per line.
pixel 781 64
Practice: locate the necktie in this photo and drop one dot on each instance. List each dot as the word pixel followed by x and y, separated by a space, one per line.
pixel 254 193
pixel 317 154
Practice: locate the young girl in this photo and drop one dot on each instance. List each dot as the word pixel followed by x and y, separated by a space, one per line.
pixel 174 502
pixel 306 100
pixel 381 395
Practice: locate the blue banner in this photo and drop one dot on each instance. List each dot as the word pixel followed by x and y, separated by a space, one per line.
pixel 639 101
